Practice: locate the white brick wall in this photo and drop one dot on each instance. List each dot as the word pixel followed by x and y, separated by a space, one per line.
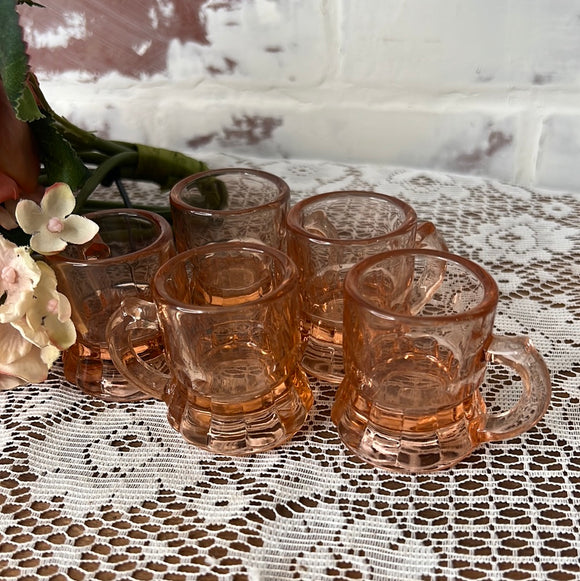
pixel 488 87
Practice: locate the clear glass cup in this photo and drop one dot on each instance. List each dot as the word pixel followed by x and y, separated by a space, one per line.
pixel 326 235
pixel 229 204
pixel 229 315
pixel 420 336
pixel 118 263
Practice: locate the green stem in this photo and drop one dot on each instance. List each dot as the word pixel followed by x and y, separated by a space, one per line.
pixel 86 139
pixel 79 148
pixel 124 158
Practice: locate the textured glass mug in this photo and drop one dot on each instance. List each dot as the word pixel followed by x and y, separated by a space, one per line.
pixel 326 235
pixel 229 204
pixel 420 336
pixel 228 313
pixel 119 262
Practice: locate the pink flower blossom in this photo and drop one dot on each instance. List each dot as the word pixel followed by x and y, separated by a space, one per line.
pixel 19 275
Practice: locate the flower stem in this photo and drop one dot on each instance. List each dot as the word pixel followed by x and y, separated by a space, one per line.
pixel 113 159
pixel 124 158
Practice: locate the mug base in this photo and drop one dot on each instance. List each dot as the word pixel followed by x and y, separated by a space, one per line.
pixel 241 428
pixel 407 455
pixel 400 442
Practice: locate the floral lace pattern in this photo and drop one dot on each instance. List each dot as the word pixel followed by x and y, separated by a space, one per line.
pixel 90 489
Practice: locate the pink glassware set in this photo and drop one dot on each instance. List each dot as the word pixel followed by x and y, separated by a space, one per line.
pixel 227 316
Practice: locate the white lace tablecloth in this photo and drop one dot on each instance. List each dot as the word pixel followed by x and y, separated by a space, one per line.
pixel 94 490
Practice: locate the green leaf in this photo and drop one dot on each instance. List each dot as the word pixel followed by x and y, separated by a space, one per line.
pixel 14 63
pixel 27 108
pixel 61 162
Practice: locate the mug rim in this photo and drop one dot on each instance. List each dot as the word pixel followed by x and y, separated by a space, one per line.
pixel 285 286
pixel 485 307
pixel 293 224
pixel 165 232
pixel 177 203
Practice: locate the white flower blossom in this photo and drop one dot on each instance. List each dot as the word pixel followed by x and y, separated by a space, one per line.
pixel 35 319
pixel 49 313
pixel 19 275
pixel 52 224
pixel 21 361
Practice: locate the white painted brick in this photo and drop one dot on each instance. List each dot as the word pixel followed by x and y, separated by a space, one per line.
pixel 558 161
pixel 486 87
pixel 463 143
pixel 480 141
pixel 263 43
pixel 454 44
pixel 466 142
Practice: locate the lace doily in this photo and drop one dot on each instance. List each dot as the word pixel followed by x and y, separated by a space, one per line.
pixel 95 490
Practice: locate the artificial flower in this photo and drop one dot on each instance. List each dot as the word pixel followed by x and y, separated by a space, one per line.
pixel 19 275
pixel 51 311
pixel 22 362
pixel 38 337
pixel 9 381
pixel 52 224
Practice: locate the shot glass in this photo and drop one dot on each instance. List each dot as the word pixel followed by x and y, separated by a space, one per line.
pixel 326 235
pixel 118 263
pixel 229 204
pixel 228 313
pixel 420 336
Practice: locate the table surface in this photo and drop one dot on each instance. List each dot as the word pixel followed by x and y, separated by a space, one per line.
pixel 106 491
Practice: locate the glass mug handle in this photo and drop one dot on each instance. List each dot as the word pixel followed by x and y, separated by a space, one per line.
pixel 427 236
pixel 136 315
pixel 519 354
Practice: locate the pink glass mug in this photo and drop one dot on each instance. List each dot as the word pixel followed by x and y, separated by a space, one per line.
pixel 229 204
pixel 420 336
pixel 326 235
pixel 120 262
pixel 228 313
